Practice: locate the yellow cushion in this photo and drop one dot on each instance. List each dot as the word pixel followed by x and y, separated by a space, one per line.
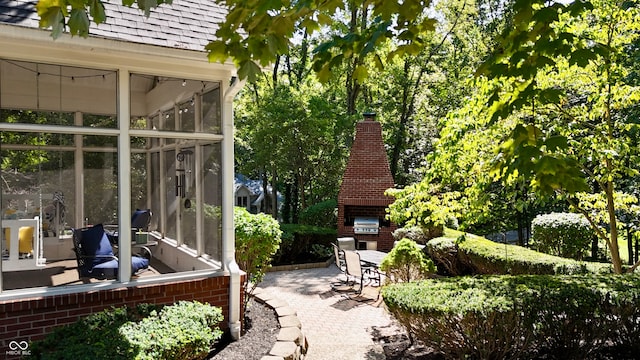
pixel 25 239
pixel 25 235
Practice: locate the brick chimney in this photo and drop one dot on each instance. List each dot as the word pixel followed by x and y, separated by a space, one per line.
pixel 364 182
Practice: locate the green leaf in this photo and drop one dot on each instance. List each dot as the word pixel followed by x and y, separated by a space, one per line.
pixel 96 10
pixel 282 26
pixel 377 61
pixel 79 22
pixel 550 95
pixel 581 57
pixel 556 142
pixel 217 51
pixel 360 73
pixel 546 15
pixel 324 75
pixel 76 4
pixel 249 70
pixel 310 25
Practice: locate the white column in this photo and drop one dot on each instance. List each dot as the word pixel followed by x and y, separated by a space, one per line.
pixel 124 177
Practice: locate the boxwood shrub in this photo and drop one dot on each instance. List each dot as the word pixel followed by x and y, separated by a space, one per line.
pixel 406 262
pixel 473 254
pixel 562 234
pixel 185 330
pixel 526 316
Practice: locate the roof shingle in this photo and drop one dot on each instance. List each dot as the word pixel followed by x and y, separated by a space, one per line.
pixel 186 24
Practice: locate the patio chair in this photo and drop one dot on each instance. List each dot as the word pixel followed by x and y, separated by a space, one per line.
pixel 346 243
pixel 340 264
pixel 356 272
pixel 339 255
pixel 95 255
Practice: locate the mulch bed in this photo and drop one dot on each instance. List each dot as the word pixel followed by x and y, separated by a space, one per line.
pixel 261 332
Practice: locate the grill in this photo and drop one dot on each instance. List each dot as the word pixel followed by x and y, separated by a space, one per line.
pixel 366 225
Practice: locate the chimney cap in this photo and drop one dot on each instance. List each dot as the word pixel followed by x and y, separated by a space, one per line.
pixel 369 115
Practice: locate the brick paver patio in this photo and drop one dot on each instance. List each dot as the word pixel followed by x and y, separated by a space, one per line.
pixel 336 327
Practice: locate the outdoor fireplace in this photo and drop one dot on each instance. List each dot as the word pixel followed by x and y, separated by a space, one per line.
pixel 361 201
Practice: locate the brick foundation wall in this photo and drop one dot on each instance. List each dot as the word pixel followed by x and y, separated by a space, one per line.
pixel 31 319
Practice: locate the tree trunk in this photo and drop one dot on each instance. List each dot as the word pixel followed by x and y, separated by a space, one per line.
pixel 274 195
pixel 613 237
pixel 401 133
pixel 630 245
pixel 286 205
pixel 295 203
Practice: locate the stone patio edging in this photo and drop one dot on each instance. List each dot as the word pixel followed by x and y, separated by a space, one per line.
pixel 291 343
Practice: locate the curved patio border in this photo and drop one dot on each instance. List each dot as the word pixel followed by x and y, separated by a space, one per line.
pixel 291 342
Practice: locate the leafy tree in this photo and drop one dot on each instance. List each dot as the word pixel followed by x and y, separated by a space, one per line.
pixel 562 74
pixel 557 93
pixel 254 34
pixel 296 134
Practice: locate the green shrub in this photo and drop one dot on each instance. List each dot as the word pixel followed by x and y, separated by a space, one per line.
pixel 323 214
pixel 257 240
pixel 509 317
pixel 414 233
pixel 562 234
pixel 185 330
pixel 299 240
pixel 444 252
pixel 486 257
pixel 406 262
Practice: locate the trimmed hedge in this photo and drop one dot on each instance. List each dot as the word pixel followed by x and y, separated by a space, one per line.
pixel 464 254
pixel 182 331
pixel 562 234
pixel 527 316
pixel 298 240
pixel 414 233
pixel 323 214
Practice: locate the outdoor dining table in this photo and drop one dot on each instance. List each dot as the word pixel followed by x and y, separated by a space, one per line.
pixel 372 257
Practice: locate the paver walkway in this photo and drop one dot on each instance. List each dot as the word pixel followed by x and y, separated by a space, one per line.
pixel 335 326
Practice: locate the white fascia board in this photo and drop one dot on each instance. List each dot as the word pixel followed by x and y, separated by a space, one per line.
pixel 37 45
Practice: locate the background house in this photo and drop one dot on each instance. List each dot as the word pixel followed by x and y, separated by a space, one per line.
pixel 134 116
pixel 250 194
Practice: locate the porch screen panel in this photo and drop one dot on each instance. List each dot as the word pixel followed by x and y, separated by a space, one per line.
pixel 172 202
pixel 188 199
pixel 155 193
pixel 211 112
pixel 139 174
pixel 187 114
pixel 100 188
pixel 38 182
pixel 212 190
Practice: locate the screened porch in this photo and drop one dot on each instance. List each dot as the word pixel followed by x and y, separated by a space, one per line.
pixel 69 160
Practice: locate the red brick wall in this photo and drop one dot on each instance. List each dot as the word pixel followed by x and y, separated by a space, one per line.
pixel 32 318
pixel 364 182
pixel 367 175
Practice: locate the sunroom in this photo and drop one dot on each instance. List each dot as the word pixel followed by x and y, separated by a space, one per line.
pixel 93 131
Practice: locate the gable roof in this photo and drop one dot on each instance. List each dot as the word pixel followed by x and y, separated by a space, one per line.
pixel 185 24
